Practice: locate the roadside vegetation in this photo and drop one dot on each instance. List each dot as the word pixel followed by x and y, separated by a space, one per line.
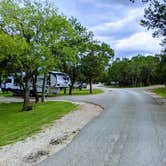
pixel 61 93
pixel 135 72
pixel 139 70
pixel 16 125
pixel 7 94
pixel 160 91
pixel 80 92
pixel 36 39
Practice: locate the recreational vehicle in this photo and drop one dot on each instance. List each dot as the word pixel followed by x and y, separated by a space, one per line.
pixel 57 81
pixel 54 82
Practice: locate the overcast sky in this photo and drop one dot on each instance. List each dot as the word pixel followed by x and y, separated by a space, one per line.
pixel 115 22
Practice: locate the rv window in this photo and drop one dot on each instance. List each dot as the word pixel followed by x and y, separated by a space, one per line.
pixel 8 81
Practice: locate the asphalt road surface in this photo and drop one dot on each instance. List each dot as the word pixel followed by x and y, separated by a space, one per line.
pixel 130 132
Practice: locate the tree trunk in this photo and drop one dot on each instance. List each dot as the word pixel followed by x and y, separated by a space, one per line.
pixel 35 89
pixel 70 89
pixel 64 91
pixel 43 89
pixel 80 87
pixel 90 82
pixel 26 104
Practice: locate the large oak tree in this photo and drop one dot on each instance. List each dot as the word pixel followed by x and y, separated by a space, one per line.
pixel 41 28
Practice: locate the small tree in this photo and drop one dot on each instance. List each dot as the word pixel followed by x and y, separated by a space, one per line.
pixel 96 60
pixel 72 49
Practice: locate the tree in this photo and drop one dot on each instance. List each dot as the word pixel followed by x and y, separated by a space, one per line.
pixel 41 28
pixel 72 50
pixel 21 22
pixel 95 61
pixel 162 67
pixel 11 48
pixel 155 19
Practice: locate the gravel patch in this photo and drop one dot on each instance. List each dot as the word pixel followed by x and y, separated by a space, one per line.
pixel 50 140
pixel 160 100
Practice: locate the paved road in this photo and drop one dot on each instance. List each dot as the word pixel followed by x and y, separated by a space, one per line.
pixel 130 132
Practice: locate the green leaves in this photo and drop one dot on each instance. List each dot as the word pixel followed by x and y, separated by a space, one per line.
pixel 155 18
pixel 96 60
pixel 35 39
pixel 137 71
pixel 11 47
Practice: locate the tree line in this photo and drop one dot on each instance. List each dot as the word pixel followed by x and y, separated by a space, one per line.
pixel 137 71
pixel 155 19
pixel 35 39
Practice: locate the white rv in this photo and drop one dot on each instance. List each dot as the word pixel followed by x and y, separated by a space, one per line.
pixel 54 82
pixel 11 84
pixel 57 81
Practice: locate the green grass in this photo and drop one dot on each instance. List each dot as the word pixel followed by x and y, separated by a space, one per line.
pixel 78 92
pixel 9 94
pixel 16 125
pixel 75 92
pixel 160 91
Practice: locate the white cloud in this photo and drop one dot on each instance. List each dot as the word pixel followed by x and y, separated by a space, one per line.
pixel 139 41
pixel 115 22
pixel 133 15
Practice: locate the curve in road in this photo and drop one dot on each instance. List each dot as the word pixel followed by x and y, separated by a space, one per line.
pixel 130 132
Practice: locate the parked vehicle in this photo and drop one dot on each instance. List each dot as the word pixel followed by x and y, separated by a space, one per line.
pixel 80 85
pixel 57 81
pixel 54 82
pixel 76 85
pixel 11 84
pixel 84 85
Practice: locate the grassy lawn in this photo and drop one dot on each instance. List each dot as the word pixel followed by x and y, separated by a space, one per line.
pixel 15 125
pixel 9 94
pixel 75 92
pixel 79 92
pixel 160 91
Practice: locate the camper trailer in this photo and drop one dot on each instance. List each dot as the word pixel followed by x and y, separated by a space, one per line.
pixel 54 83
pixel 11 84
pixel 57 81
